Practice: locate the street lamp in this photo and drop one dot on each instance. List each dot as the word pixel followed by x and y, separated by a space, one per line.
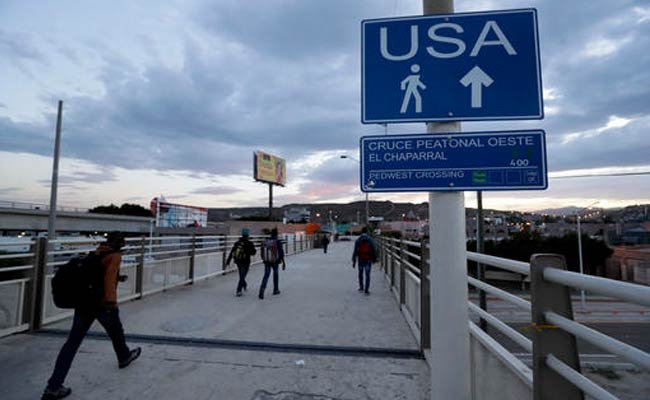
pixel 345 156
pixel 582 291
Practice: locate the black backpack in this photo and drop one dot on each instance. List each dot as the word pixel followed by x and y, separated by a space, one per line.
pixel 79 283
pixel 239 251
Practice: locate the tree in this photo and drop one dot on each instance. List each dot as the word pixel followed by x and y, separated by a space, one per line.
pixel 525 243
pixel 125 209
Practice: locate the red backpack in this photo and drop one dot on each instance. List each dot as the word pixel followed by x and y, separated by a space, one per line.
pixel 365 251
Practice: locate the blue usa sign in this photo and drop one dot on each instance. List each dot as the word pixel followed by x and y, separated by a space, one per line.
pixel 473 66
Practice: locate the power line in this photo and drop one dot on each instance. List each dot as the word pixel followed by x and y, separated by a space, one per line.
pixel 596 175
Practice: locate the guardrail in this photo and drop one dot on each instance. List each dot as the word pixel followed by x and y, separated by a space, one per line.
pixel 38 206
pixel 556 361
pixel 152 265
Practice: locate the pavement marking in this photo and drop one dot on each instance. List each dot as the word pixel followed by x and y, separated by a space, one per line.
pixel 344 351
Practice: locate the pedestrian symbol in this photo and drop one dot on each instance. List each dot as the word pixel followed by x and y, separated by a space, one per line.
pixel 412 84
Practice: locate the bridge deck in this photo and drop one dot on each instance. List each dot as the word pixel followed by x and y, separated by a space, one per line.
pixel 319 339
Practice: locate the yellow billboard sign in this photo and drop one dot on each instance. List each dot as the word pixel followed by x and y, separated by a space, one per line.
pixel 269 168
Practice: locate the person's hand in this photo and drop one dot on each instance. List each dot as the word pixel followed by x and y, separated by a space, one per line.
pixel 284 265
pixel 353 265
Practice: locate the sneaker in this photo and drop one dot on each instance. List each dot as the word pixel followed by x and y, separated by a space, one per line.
pixel 57 393
pixel 276 292
pixel 133 355
pixel 238 294
pixel 366 292
pixel 261 296
pixel 360 289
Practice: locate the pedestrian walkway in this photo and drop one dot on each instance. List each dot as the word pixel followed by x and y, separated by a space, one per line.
pixel 319 339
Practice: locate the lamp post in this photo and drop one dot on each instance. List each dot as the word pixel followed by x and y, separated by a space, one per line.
pixel 345 156
pixel 582 291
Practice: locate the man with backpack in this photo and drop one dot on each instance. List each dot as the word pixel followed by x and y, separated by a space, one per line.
pixel 365 252
pixel 241 252
pixel 100 303
pixel 272 255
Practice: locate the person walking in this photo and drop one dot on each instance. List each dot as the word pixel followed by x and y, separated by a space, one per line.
pixel 365 253
pixel 325 241
pixel 105 311
pixel 272 255
pixel 241 252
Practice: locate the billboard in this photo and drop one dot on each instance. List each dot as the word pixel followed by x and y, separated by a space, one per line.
pixel 269 168
pixel 169 215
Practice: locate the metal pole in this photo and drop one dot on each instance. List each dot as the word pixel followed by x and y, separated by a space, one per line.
pixel 270 202
pixel 450 364
pixel 480 248
pixel 51 230
pixel 367 210
pixel 582 291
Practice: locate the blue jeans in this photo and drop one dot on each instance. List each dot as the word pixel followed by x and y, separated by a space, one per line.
pixel 364 267
pixel 265 279
pixel 109 318
pixel 243 271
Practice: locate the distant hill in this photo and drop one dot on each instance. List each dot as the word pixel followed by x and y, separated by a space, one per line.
pixel 356 211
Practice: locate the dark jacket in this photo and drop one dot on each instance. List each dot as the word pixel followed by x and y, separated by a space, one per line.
pixel 364 237
pixel 249 249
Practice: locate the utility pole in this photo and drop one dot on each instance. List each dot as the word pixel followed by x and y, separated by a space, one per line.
pixel 51 228
pixel 270 202
pixel 450 364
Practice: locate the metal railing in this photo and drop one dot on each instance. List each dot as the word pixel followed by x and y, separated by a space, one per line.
pixel 406 265
pixel 38 206
pixel 152 265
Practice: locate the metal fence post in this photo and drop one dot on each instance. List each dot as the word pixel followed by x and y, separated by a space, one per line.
pixel 139 268
pixel 392 265
pixel 295 244
pixel 425 313
pixel 38 285
pixel 547 338
pixel 192 258
pixel 223 255
pixel 402 273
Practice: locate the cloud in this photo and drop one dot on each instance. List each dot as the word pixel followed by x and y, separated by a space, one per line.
pixel 216 190
pixel 20 46
pixel 77 178
pixel 8 191
pixel 283 76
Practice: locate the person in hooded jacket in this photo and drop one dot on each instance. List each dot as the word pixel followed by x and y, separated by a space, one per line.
pixel 106 312
pixel 242 251
pixel 365 253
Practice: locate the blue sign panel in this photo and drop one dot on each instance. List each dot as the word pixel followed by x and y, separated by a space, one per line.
pixel 452 162
pixel 474 66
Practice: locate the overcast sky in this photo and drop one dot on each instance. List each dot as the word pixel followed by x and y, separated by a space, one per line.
pixel 172 97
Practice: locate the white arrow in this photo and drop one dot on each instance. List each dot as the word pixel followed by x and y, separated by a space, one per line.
pixel 477 78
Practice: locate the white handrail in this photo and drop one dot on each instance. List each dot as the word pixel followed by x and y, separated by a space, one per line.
pixel 17 268
pixel 519 267
pixel 579 380
pixel 601 340
pixel 15 255
pixel 519 368
pixel 502 294
pixel 517 337
pixel 622 290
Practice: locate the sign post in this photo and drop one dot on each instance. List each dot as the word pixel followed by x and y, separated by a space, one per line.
pixel 442 68
pixel 450 365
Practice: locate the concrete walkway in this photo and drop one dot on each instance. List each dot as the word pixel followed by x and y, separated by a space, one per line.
pixel 319 339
